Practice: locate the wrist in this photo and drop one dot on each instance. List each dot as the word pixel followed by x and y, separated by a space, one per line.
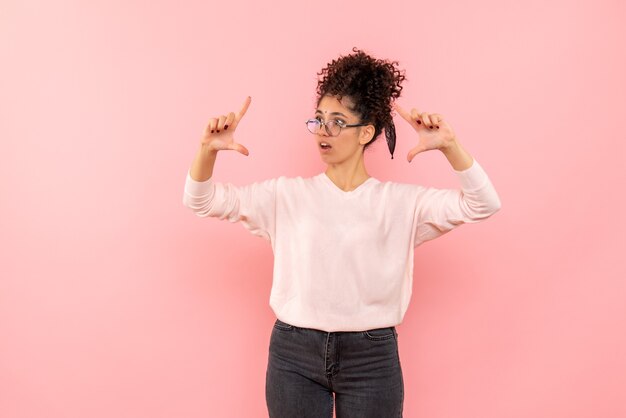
pixel 457 156
pixel 207 150
pixel 450 147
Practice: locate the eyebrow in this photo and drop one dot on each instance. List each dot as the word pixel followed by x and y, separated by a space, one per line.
pixel 333 113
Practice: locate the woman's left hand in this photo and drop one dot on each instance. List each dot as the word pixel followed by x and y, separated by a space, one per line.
pixel 433 131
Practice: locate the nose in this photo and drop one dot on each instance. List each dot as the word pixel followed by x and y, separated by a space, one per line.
pixel 322 131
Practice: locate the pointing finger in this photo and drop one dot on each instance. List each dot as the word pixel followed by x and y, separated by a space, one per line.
pixel 405 115
pixel 245 106
pixel 241 112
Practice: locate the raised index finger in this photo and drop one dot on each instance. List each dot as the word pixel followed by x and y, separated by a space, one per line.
pixel 405 115
pixel 242 112
pixel 244 108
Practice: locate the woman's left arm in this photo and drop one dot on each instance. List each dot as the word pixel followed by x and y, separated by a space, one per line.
pixel 442 210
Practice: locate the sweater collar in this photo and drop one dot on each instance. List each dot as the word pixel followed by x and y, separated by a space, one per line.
pixel 324 177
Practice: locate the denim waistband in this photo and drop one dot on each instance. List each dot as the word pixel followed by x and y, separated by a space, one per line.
pixel 285 325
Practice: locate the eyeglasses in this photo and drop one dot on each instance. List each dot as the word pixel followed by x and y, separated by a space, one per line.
pixel 333 127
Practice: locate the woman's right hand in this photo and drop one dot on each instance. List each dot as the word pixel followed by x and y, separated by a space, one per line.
pixel 218 135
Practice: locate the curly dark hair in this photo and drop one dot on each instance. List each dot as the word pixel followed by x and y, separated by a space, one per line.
pixel 371 84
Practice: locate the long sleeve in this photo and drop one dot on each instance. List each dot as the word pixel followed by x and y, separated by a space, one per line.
pixel 441 210
pixel 254 205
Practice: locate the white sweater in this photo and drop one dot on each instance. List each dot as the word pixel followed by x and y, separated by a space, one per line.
pixel 343 261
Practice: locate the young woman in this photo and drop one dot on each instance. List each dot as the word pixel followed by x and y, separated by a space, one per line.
pixel 343 241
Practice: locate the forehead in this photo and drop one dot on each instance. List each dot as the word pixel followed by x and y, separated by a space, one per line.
pixel 331 104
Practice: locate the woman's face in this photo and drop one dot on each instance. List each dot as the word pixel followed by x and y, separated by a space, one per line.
pixel 350 141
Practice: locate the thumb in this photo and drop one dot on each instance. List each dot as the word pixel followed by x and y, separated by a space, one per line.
pixel 414 152
pixel 238 147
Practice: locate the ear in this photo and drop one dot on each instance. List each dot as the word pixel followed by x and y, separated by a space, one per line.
pixel 367 134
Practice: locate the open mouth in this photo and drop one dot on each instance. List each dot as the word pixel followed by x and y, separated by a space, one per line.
pixel 325 145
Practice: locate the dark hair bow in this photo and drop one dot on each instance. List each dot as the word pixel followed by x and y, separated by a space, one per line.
pixel 390 134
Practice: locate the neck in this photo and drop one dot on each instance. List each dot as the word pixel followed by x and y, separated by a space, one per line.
pixel 348 175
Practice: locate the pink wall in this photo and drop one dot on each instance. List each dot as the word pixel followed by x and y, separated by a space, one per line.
pixel 116 301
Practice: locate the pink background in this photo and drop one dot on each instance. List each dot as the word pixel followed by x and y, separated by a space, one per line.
pixel 116 301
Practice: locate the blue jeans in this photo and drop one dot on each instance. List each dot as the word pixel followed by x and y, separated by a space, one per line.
pixel 307 366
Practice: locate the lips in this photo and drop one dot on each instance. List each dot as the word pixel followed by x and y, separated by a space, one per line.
pixel 325 145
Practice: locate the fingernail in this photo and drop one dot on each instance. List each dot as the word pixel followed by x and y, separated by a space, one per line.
pixel 226 127
pixel 431 126
pixel 218 130
pixel 419 122
pixel 212 131
pixel 437 126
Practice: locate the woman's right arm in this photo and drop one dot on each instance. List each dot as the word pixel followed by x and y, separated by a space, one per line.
pixel 253 204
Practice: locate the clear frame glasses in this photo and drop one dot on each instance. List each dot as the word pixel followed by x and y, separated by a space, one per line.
pixel 332 127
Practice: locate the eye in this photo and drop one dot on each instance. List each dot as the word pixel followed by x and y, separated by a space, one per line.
pixel 340 122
